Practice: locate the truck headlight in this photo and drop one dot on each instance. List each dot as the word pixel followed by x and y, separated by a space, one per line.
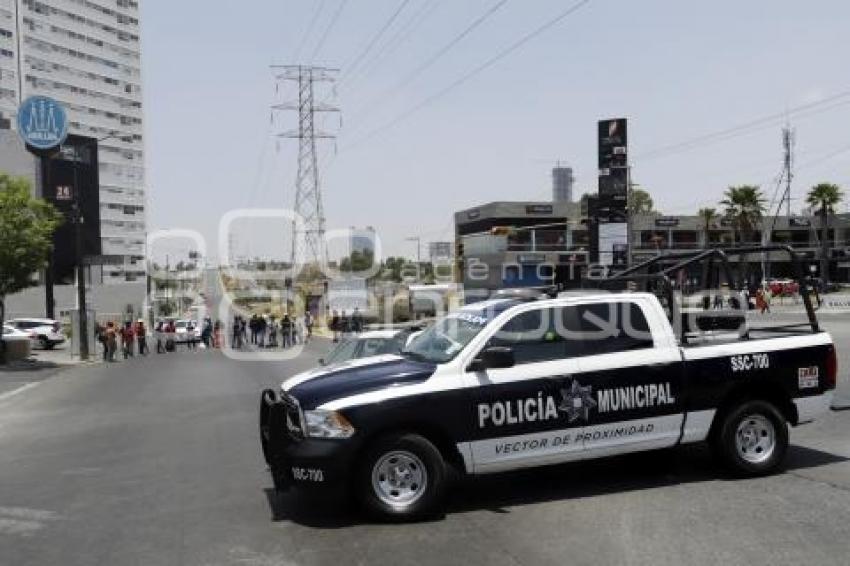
pixel 321 423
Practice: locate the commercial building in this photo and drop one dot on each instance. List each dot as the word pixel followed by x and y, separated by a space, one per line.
pixel 513 244
pixel 562 184
pixel 86 54
pixel 655 234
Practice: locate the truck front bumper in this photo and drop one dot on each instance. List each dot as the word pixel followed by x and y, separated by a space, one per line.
pixel 297 460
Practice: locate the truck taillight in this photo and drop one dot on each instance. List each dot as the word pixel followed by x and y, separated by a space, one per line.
pixel 831 369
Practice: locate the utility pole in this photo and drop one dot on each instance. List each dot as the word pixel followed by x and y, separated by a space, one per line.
pixel 788 146
pixel 308 243
pixel 79 219
pixel 418 241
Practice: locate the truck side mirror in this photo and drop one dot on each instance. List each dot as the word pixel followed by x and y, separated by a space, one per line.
pixel 493 357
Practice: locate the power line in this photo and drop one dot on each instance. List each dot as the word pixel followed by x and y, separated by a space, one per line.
pixel 350 68
pixel 747 127
pixel 324 37
pixel 428 63
pixel 316 13
pixel 474 72
pixel 404 32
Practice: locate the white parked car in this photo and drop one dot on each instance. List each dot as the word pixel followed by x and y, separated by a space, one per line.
pixel 186 331
pixel 43 332
pixel 370 343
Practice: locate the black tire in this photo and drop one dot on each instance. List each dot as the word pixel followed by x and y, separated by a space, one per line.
pixel 44 343
pixel 404 445
pixel 752 439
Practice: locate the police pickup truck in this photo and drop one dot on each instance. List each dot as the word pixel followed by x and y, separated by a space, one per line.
pixel 508 383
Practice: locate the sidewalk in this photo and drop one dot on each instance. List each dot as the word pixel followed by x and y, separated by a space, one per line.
pixel 20 375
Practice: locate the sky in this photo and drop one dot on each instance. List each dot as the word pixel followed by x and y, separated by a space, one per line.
pixel 411 151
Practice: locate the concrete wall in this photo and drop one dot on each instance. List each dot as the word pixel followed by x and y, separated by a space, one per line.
pixel 15 159
pixel 107 301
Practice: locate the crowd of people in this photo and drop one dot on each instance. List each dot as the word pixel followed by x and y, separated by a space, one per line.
pixel 132 338
pixel 341 324
pixel 267 331
pixel 256 331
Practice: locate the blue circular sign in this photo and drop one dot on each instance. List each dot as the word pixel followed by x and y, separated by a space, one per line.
pixel 42 122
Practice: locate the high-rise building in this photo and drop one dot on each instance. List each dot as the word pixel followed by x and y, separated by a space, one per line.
pixel 86 54
pixel 562 184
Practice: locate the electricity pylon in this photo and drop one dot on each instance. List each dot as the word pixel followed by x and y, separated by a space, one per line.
pixel 308 242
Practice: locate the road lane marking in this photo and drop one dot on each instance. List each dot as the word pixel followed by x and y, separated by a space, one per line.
pixel 20 389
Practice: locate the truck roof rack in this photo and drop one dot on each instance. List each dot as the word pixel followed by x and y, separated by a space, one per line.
pixel 659 274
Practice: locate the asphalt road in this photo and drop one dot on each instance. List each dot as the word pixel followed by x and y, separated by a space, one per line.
pixel 156 461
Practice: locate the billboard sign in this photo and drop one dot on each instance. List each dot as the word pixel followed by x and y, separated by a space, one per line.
pixel 42 123
pixel 666 222
pixel 613 141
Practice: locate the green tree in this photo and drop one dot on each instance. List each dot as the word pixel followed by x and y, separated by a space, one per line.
pixel 640 202
pixel 708 216
pixel 824 197
pixel 744 206
pixel 26 229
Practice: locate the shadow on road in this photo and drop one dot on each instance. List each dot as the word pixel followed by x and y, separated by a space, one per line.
pixel 27 365
pixel 323 512
pixel 646 470
pixel 498 492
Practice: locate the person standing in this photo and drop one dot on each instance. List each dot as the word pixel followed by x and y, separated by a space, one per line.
pixel 191 339
pixel 356 321
pixel 100 335
pixel 111 341
pixel 127 340
pixel 170 331
pixel 308 325
pixel 236 342
pixel 217 334
pixel 334 325
pixel 206 332
pixel 141 337
pixel 285 330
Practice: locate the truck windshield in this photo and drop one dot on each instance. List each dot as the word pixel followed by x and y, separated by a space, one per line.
pixel 446 338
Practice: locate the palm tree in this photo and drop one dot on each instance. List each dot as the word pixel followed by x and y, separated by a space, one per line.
pixel 708 216
pixel 744 206
pixel 824 196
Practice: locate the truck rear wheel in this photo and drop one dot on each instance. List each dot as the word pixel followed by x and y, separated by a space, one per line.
pixel 752 439
pixel 401 477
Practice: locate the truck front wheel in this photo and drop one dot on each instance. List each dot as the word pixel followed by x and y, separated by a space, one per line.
pixel 401 477
pixel 752 438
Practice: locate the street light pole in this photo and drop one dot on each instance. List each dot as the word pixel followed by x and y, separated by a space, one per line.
pixel 82 311
pixel 417 239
